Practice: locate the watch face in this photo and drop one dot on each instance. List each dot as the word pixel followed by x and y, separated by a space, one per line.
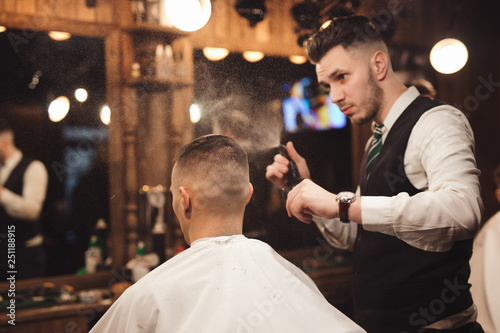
pixel 345 196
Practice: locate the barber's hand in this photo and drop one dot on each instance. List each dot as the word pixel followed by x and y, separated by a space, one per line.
pixel 276 171
pixel 308 199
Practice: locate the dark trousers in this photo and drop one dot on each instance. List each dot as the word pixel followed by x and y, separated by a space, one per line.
pixel 469 328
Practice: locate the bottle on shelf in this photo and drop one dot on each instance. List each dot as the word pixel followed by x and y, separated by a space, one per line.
pixel 93 256
pixel 140 266
pixel 136 70
pixel 180 65
pixel 159 239
pixel 101 231
pixel 169 60
pixel 153 11
pixel 138 10
pixel 159 61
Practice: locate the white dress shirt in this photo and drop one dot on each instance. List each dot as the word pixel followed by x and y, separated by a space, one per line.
pixel 27 206
pixel 485 275
pixel 439 160
pixel 224 284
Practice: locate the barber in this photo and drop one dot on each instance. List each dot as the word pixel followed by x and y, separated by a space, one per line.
pixel 418 206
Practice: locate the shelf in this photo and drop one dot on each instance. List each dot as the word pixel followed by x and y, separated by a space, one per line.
pixel 156 31
pixel 153 83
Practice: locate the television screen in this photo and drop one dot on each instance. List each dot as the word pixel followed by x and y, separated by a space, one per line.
pixel 308 107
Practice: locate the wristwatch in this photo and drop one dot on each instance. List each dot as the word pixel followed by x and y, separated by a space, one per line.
pixel 344 199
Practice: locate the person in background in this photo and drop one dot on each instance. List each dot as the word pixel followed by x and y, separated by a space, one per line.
pixel 485 269
pixel 418 205
pixel 23 187
pixel 224 282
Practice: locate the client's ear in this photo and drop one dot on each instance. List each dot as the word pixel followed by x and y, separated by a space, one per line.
pixel 250 192
pixel 185 202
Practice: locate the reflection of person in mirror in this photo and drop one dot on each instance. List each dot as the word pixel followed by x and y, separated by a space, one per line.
pixel 224 282
pixel 418 205
pixel 23 187
pixel 485 269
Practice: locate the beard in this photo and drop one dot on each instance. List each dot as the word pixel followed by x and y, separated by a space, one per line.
pixel 371 104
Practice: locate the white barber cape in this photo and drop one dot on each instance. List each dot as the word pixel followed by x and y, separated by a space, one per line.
pixel 485 275
pixel 224 284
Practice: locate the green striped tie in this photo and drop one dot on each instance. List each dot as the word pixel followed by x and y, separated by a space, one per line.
pixel 375 147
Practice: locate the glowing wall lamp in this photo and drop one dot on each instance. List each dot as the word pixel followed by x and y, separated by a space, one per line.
pixel 253 56
pixel 448 56
pixel 297 59
pixel 81 95
pixel 105 115
pixel 215 53
pixel 59 35
pixel 2 28
pixel 58 109
pixel 194 113
pixel 188 15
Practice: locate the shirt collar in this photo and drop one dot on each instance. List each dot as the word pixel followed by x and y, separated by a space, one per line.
pixel 398 107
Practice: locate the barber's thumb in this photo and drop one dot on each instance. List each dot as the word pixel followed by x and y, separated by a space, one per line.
pixel 291 151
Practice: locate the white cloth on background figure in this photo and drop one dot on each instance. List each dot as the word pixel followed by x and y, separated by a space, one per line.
pixel 485 275
pixel 225 284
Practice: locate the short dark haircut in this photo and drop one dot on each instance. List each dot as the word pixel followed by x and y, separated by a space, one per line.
pixel 345 31
pixel 216 168
pixel 5 126
pixel 213 150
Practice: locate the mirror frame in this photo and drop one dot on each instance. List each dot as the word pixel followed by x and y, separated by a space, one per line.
pixel 111 35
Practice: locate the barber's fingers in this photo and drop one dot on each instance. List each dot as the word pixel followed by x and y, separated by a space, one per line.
pixel 299 160
pixel 308 199
pixel 276 171
pixel 297 206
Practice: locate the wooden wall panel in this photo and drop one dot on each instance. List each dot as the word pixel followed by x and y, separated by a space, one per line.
pixel 273 36
pixel 44 12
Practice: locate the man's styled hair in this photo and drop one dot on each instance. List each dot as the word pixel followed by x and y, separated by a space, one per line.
pixel 345 31
pixel 217 166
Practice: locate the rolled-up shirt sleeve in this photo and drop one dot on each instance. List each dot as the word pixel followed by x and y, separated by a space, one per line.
pixel 27 206
pixel 440 161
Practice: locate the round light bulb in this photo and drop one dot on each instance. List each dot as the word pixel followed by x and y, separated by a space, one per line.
pixel 297 59
pixel 59 35
pixel 195 113
pixel 58 109
pixel 215 53
pixel 188 15
pixel 105 115
pixel 253 56
pixel 448 56
pixel 81 95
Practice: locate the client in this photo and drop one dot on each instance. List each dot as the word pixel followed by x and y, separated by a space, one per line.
pixel 224 282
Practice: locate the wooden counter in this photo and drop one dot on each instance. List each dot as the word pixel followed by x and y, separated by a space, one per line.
pixel 74 318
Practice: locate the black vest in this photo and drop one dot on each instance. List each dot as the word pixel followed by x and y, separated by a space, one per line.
pixel 397 287
pixel 24 229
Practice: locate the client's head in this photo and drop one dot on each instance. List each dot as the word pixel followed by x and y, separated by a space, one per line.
pixel 210 187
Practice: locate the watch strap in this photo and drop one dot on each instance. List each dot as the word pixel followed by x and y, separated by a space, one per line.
pixel 343 211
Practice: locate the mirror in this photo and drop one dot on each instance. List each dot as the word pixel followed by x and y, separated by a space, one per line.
pixel 36 69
